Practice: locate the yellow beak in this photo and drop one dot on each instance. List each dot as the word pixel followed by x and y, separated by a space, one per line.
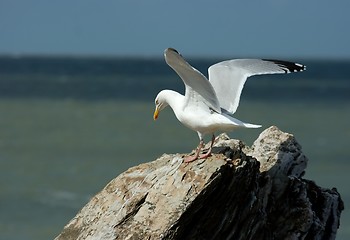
pixel 156 113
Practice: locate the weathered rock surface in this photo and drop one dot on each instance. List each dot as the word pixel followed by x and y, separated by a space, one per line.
pixel 239 193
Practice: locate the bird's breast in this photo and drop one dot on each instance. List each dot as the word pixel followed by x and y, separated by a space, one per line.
pixel 198 119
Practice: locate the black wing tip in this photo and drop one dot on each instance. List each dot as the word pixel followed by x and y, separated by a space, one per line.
pixel 172 50
pixel 288 67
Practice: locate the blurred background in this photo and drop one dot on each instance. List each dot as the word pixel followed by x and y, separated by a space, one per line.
pixel 78 81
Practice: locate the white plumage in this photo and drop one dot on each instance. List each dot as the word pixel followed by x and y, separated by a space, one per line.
pixel 208 106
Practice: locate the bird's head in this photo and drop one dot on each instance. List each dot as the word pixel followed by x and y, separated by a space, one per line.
pixel 160 103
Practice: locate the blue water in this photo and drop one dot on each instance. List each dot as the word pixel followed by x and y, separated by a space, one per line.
pixel 70 125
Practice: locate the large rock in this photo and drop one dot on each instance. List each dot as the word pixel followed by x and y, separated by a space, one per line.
pixel 238 193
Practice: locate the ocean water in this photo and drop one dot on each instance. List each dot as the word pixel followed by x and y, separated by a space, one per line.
pixel 70 125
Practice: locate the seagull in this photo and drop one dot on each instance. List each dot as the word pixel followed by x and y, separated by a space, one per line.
pixel 208 105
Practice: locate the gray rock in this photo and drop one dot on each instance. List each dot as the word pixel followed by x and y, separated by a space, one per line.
pixel 238 193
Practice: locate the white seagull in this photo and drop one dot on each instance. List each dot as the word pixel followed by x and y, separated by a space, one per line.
pixel 208 106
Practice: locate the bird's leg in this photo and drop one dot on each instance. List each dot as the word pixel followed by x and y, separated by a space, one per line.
pixel 208 154
pixel 196 155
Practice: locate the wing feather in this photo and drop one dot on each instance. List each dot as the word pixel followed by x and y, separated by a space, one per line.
pixel 198 88
pixel 228 77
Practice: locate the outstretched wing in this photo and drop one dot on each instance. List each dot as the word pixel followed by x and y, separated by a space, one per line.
pixel 198 88
pixel 228 77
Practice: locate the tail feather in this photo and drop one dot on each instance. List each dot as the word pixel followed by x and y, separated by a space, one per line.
pixel 238 122
pixel 249 125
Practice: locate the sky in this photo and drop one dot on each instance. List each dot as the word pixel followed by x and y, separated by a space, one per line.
pixel 254 28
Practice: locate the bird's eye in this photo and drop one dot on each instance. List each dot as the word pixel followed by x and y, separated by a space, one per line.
pixel 156 102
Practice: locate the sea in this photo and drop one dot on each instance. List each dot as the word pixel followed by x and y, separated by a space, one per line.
pixel 69 125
